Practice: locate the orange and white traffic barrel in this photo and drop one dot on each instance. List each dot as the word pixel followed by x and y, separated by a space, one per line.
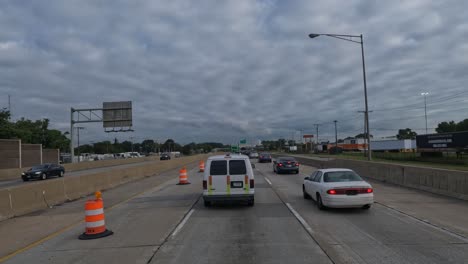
pixel 201 166
pixel 94 218
pixel 183 177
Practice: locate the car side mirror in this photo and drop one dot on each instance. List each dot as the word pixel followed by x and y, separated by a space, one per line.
pixel 253 166
pixel 306 178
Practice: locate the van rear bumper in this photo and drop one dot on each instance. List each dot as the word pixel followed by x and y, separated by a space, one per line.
pixel 236 197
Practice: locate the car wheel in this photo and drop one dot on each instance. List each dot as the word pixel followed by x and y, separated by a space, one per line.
pixel 207 203
pixel 61 174
pixel 320 203
pixel 43 176
pixel 366 207
pixel 251 202
pixel 305 194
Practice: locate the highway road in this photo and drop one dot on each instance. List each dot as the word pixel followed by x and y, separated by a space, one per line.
pixel 169 224
pixel 11 183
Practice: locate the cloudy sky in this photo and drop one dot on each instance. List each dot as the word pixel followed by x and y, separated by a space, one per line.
pixel 224 70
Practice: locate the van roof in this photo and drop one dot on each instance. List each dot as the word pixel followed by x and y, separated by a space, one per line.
pixel 232 156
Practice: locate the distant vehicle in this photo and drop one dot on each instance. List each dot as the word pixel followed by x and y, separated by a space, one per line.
pixel 285 164
pixel 253 155
pixel 228 177
pixel 132 154
pixel 43 172
pixel 165 156
pixel 264 157
pixel 177 155
pixel 338 188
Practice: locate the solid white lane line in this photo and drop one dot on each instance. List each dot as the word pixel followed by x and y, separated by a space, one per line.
pixel 269 182
pixel 299 217
pixel 179 227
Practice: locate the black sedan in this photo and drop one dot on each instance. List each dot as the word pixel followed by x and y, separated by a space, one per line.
pixel 264 157
pixel 285 164
pixel 165 156
pixel 43 172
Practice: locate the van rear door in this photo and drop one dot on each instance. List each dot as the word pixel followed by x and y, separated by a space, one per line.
pixel 238 179
pixel 217 179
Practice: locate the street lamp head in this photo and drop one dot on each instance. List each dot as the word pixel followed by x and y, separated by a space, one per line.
pixel 424 93
pixel 313 35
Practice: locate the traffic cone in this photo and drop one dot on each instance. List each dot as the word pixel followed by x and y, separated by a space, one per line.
pixel 201 166
pixel 95 224
pixel 183 177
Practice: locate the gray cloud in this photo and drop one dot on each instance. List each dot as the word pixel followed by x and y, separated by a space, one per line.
pixel 224 70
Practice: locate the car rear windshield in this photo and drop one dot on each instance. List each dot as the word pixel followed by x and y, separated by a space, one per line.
pixel 237 167
pixel 218 167
pixel 341 176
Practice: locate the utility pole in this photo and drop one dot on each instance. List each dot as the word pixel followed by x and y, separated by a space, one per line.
pixel 317 129
pixel 131 140
pixel 336 136
pixel 9 104
pixel 425 108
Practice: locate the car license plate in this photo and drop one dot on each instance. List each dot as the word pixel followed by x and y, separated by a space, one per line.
pixel 289 166
pixel 351 192
pixel 237 184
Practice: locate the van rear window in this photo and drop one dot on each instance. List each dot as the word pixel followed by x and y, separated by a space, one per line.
pixel 237 167
pixel 218 167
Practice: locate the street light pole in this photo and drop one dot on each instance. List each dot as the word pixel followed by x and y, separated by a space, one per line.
pixel 361 42
pixel 425 108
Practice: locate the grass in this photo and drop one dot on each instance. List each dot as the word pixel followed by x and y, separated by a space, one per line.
pixel 447 162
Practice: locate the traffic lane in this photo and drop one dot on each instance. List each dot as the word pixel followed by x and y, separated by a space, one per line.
pixel 236 233
pixel 11 183
pixel 140 226
pixel 378 235
pixel 447 212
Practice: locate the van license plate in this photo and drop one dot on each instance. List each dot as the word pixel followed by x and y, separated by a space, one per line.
pixel 237 184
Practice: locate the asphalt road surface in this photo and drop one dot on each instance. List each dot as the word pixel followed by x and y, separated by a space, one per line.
pixel 169 224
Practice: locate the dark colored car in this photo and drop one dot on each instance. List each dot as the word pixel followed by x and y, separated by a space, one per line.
pixel 285 164
pixel 165 156
pixel 43 172
pixel 264 157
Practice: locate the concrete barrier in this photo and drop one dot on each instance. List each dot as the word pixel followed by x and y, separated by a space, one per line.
pixel 11 174
pixel 33 196
pixel 440 181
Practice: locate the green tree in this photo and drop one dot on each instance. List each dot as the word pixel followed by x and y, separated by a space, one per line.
pixel 148 145
pixel 445 127
pixel 406 134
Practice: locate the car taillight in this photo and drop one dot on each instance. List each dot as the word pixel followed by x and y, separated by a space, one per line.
pixel 252 183
pixel 204 185
pixel 280 164
pixel 297 164
pixel 336 191
pixel 369 190
pixel 289 162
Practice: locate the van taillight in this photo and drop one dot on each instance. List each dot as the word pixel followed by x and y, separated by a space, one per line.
pixel 252 183
pixel 204 185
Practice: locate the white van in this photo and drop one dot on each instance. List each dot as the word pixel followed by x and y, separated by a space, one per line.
pixel 228 177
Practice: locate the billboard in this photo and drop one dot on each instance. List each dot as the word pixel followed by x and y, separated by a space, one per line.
pixel 117 114
pixel 442 141
pixel 308 136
